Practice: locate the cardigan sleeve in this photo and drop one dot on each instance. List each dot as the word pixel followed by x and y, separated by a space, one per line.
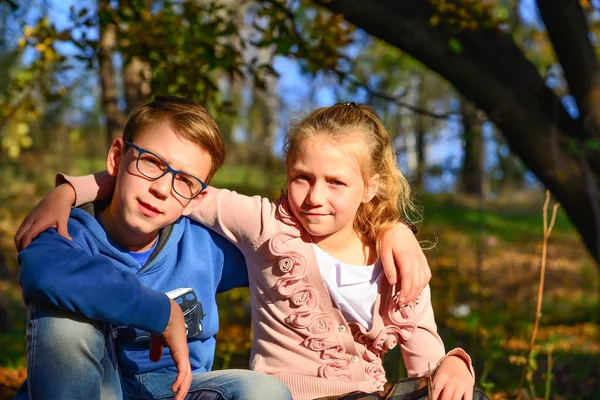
pixel 89 188
pixel 241 219
pixel 244 220
pixel 424 350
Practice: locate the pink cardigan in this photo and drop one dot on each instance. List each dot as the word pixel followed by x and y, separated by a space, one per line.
pixel 300 337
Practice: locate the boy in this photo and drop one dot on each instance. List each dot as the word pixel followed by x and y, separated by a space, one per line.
pixel 131 267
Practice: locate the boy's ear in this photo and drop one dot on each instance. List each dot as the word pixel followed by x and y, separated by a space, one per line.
pixel 193 203
pixel 115 153
pixel 371 189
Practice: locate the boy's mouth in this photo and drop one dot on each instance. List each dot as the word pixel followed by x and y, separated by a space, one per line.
pixel 148 209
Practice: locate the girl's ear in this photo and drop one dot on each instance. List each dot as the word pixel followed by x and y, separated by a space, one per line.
pixel 371 189
pixel 115 153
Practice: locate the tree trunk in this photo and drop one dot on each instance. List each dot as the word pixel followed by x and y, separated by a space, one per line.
pixel 471 173
pixel 491 70
pixel 420 133
pixel 136 79
pixel 137 74
pixel 115 118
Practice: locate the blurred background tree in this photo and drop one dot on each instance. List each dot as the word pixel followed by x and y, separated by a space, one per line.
pixel 487 102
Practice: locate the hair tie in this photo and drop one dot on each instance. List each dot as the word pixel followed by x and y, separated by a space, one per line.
pixel 351 104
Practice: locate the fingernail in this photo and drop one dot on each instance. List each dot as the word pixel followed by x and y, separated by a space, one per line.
pixel 402 300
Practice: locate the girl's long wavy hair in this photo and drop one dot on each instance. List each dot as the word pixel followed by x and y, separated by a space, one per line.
pixel 361 133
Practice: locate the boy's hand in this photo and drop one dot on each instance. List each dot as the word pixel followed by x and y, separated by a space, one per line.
pixel 400 251
pixel 452 380
pixel 51 212
pixel 175 339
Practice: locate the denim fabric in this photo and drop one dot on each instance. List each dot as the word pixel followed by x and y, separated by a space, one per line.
pixel 69 357
pixel 230 384
pixel 72 357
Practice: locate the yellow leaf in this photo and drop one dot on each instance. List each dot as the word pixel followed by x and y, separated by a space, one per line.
pixel 28 30
pixel 26 142
pixel 14 151
pixel 22 128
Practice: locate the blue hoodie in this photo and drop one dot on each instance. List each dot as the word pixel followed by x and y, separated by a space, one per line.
pixel 92 277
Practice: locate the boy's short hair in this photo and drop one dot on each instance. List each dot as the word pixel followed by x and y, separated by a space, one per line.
pixel 188 119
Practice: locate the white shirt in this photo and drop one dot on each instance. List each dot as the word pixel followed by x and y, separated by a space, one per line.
pixel 353 288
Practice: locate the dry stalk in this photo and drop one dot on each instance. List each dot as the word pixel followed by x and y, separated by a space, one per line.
pixel 430 385
pixel 538 312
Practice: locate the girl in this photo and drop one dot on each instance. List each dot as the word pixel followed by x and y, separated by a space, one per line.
pixel 323 316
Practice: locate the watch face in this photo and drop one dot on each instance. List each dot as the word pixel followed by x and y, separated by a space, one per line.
pixel 193 313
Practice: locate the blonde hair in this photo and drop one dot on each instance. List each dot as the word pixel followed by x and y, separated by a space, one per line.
pixel 357 128
pixel 188 119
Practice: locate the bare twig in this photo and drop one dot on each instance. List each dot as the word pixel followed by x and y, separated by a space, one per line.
pixel 346 76
pixel 430 385
pixel 391 99
pixel 538 312
pixel 549 373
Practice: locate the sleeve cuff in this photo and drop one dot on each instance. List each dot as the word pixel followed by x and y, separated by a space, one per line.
pixel 153 313
pixel 88 188
pixel 460 353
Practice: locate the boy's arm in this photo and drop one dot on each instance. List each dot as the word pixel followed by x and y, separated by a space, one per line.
pixel 55 270
pixel 235 272
pixel 54 209
pixel 401 253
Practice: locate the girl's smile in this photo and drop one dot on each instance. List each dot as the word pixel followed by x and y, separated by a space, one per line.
pixel 325 189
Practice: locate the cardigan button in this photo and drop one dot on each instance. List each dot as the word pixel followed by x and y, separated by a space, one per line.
pixel 354 359
pixel 342 328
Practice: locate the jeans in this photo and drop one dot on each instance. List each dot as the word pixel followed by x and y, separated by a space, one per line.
pixel 68 357
pixel 72 357
pixel 233 384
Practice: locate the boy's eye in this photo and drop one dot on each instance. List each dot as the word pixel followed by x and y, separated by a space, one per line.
pixel 186 180
pixel 337 183
pixel 302 177
pixel 152 161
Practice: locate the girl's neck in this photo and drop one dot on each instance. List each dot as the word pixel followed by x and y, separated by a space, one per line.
pixel 347 247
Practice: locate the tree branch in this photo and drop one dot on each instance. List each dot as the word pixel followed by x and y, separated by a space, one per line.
pixel 492 71
pixel 568 31
pixel 302 44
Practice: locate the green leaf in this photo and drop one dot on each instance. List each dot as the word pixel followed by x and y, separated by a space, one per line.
pixel 455 46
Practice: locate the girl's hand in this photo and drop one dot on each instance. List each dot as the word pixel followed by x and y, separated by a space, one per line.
pixel 400 251
pixel 51 212
pixel 453 380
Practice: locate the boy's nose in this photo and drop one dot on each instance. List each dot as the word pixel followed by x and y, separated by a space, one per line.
pixel 162 185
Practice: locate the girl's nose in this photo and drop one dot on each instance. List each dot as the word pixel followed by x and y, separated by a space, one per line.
pixel 315 195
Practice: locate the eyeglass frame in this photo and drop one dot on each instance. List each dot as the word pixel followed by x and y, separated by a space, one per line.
pixel 169 169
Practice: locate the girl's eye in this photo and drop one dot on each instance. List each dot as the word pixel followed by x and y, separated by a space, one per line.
pixel 301 177
pixel 337 183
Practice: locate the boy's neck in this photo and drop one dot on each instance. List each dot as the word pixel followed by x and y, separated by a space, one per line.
pixel 122 235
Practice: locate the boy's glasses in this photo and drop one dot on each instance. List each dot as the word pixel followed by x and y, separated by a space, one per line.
pixel 153 167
